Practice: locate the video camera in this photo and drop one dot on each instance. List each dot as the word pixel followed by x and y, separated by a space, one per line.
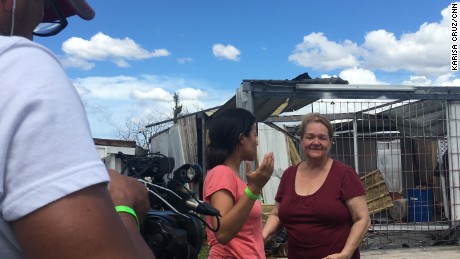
pixel 172 227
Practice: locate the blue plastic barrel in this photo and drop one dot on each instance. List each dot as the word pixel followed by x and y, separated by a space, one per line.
pixel 420 205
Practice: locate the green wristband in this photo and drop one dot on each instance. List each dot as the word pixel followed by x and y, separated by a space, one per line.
pixel 126 209
pixel 250 194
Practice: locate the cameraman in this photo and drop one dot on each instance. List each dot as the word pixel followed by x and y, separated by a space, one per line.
pixel 54 200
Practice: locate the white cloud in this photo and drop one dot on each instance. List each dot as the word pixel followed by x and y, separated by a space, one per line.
pixel 360 76
pixel 423 52
pixel 184 60
pixel 417 80
pixel 226 52
pixel 190 94
pixel 108 88
pixel 320 53
pixel 156 94
pixel 71 61
pixel 109 101
pixel 447 80
pixel 81 53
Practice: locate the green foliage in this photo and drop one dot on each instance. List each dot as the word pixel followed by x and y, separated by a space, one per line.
pixel 204 252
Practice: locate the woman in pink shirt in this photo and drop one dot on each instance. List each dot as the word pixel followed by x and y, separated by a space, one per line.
pixel 233 139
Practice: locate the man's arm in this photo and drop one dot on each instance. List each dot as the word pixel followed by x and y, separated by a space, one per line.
pixel 83 224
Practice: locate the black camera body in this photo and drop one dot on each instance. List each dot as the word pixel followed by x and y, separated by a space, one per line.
pixel 169 235
pixel 172 228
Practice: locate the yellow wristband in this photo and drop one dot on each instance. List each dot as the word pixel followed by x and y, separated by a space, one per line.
pixel 250 194
pixel 126 209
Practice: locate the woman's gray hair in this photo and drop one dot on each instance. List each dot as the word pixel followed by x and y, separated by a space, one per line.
pixel 315 117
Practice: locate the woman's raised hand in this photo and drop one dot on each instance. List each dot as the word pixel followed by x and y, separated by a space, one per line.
pixel 258 178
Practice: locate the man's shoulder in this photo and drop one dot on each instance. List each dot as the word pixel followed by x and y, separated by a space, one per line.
pixel 20 46
pixel 18 56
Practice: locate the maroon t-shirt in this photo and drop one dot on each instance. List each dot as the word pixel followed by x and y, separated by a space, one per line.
pixel 318 224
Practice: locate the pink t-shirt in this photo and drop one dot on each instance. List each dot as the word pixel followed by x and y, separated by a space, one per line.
pixel 248 242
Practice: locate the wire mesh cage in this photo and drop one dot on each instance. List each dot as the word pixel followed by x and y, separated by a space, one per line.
pixel 400 149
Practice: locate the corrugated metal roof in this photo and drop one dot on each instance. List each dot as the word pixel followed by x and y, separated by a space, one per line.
pixel 274 97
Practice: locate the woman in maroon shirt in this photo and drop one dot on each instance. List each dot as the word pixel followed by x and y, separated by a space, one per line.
pixel 326 213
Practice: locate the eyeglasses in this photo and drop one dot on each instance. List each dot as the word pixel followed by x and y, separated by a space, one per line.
pixel 46 29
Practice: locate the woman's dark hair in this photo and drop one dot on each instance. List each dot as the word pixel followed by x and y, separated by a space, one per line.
pixel 224 134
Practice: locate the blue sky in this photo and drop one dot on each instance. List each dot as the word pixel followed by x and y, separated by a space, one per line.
pixel 129 60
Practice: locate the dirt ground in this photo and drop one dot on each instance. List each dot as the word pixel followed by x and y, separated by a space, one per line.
pixel 433 252
pixel 437 252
